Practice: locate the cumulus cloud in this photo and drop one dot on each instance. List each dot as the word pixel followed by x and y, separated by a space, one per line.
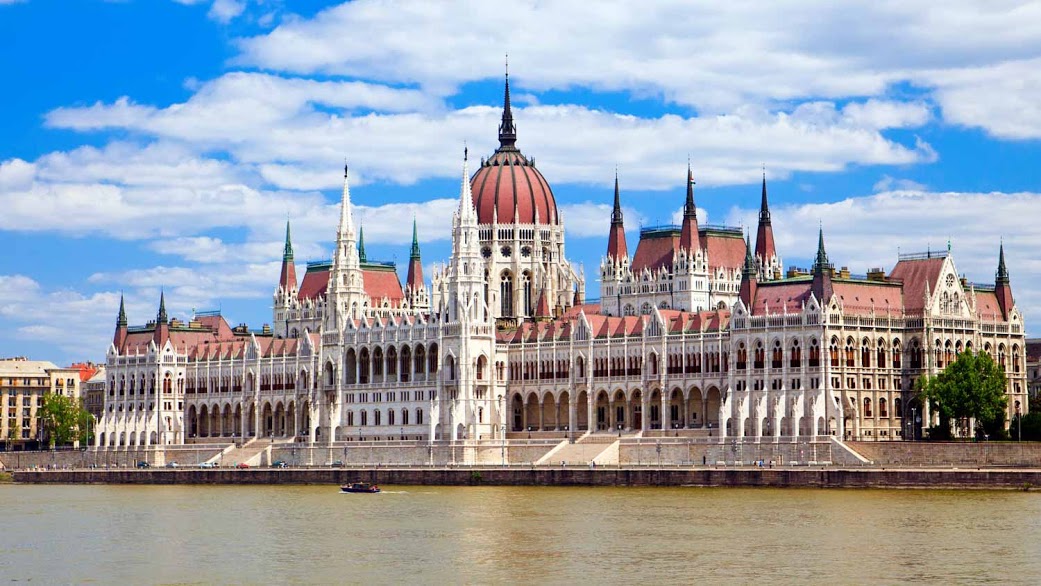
pixel 714 57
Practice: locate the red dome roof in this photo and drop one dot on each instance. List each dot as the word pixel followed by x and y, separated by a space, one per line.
pixel 508 184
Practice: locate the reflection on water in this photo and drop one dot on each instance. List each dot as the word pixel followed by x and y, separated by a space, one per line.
pixel 311 534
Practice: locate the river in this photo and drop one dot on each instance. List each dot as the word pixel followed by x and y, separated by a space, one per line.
pixel 441 535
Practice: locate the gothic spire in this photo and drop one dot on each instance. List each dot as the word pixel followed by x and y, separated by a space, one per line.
pixel 162 318
pixel 346 219
pixel 820 263
pixel 689 230
pixel 415 240
pixel 616 248
pixel 507 130
pixel 764 206
pixel 689 209
pixel 466 210
pixel 750 267
pixel 1001 276
pixel 361 244
pixel 414 279
pixel 121 321
pixel 287 251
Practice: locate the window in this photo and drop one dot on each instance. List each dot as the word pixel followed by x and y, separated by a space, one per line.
pixel 867 407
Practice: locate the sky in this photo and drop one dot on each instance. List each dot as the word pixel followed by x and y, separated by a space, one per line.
pixel 162 145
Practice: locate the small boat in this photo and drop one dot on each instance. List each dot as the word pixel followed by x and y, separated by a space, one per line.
pixel 359 487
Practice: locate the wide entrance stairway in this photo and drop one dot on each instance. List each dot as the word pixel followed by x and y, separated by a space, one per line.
pixel 251 453
pixel 601 448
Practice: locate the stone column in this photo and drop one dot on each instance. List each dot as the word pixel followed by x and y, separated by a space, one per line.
pixel 666 412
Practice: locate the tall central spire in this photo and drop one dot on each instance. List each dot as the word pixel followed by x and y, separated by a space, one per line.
pixel 507 130
pixel 346 221
pixel 122 319
pixel 689 230
pixel 616 248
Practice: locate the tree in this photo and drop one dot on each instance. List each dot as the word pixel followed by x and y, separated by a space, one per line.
pixel 973 386
pixel 64 419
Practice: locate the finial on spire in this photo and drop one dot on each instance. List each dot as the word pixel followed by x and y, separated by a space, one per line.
pixel 466 152
pixel 345 167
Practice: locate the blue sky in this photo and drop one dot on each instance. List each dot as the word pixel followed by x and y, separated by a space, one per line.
pixel 162 144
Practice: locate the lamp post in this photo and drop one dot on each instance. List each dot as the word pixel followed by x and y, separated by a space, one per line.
pixel 1019 423
pixel 657 448
pixel 914 423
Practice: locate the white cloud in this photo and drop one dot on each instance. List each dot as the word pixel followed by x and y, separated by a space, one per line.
pixel 295 146
pixel 223 11
pixel 588 219
pixel 887 183
pixel 714 57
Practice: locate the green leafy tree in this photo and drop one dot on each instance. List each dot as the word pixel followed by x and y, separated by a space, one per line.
pixel 64 419
pixel 973 386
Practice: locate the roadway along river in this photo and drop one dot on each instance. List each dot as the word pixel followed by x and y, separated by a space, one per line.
pixel 314 534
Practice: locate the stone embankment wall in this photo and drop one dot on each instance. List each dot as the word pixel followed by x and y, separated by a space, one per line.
pixel 398 454
pixel 111 458
pixel 632 452
pixel 951 454
pixel 545 476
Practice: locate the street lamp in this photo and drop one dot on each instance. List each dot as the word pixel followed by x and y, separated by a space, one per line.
pixel 502 433
pixel 914 423
pixel 657 448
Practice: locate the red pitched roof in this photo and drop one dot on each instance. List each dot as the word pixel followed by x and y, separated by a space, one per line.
pixel 380 283
pixel 781 296
pixel 869 297
pixel 727 251
pixel 314 284
pixel 655 250
pixel 987 306
pixel 915 274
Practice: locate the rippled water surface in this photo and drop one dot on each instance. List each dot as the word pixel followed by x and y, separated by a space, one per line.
pixel 314 534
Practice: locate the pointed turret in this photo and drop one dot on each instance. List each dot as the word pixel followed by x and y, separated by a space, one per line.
pixel 616 248
pixel 507 130
pixel 162 323
pixel 1003 285
pixel 121 321
pixel 121 325
pixel 542 307
pixel 414 281
pixel 822 269
pixel 287 280
pixel 361 244
pixel 765 250
pixel 749 277
pixel 346 290
pixel 689 232
pixel 1001 276
pixel 162 317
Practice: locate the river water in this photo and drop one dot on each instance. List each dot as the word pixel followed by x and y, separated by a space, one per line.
pixel 441 535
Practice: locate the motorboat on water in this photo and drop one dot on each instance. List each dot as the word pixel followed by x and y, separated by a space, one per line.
pixel 359 487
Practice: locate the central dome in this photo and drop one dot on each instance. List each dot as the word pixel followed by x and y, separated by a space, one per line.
pixel 508 188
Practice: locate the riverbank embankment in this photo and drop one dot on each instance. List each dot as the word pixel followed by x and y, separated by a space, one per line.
pixel 811 477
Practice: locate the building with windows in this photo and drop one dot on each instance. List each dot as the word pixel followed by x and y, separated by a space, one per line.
pixel 699 330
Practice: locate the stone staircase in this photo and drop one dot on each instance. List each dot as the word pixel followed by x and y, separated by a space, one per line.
pixel 255 452
pixel 599 448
